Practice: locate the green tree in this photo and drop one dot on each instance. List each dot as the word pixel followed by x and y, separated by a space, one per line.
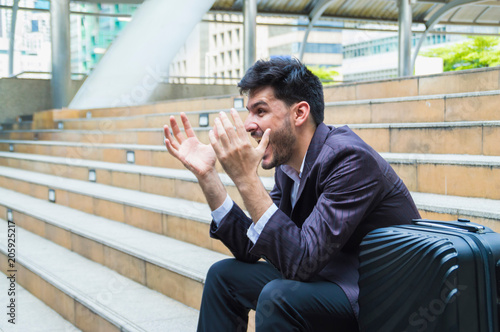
pixel 476 52
pixel 326 75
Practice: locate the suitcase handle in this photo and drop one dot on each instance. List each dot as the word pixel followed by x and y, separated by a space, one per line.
pixel 461 224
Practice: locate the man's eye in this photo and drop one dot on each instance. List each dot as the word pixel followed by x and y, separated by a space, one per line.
pixel 260 111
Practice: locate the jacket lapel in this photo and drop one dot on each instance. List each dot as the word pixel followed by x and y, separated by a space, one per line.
pixel 315 147
pixel 286 203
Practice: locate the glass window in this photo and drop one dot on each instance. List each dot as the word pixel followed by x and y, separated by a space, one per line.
pixel 322 48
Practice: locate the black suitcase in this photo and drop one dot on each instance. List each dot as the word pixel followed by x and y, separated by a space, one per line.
pixel 430 276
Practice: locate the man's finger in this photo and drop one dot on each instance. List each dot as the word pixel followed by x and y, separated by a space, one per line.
pixel 214 142
pixel 176 130
pixel 240 126
pixel 187 125
pixel 168 136
pixel 221 134
pixel 228 127
pixel 261 148
pixel 171 149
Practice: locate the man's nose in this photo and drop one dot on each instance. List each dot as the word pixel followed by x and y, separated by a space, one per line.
pixel 250 126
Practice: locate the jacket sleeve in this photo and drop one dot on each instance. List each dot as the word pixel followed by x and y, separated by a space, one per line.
pixel 232 230
pixel 349 184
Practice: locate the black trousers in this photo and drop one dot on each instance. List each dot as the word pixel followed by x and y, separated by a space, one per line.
pixel 233 287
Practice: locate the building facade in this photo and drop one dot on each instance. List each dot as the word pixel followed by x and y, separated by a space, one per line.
pixel 213 53
pixel 32 47
pixel 374 55
pixel 221 46
pixel 92 35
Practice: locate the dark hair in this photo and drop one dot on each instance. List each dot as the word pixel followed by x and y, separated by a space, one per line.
pixel 291 80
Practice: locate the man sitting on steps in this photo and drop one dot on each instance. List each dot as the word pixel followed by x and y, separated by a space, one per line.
pixel 331 189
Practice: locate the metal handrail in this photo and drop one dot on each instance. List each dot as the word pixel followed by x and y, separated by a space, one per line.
pixel 201 80
pixel 42 72
pixel 232 79
pixel 168 79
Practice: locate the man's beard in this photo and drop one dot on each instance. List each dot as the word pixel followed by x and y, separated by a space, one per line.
pixel 282 142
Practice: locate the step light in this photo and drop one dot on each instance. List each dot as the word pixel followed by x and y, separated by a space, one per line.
pixel 9 215
pixel 238 103
pixel 60 125
pixel 203 121
pixel 11 147
pixel 52 196
pixel 89 114
pixel 92 176
pixel 130 157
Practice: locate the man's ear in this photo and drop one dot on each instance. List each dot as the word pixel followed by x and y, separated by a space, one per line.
pixel 302 112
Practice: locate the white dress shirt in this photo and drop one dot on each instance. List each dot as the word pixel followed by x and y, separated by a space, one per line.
pixel 255 229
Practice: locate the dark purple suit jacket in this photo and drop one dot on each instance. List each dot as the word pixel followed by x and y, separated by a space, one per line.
pixel 346 190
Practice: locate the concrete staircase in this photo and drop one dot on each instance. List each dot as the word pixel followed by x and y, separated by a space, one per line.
pixel 112 232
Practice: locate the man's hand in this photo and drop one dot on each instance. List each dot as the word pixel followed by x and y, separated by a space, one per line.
pixel 241 160
pixel 234 150
pixel 197 157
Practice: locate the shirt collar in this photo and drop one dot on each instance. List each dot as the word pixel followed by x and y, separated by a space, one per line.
pixel 292 173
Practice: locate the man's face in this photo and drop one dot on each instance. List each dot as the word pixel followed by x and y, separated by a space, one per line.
pixel 265 111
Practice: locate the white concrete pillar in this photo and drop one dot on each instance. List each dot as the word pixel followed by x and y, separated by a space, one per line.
pixel 139 58
pixel 61 52
pixel 405 36
pixel 12 38
pixel 249 33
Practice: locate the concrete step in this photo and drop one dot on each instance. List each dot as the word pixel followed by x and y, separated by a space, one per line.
pixel 486 79
pixel 478 80
pixel 24 125
pixel 148 155
pixel 472 106
pixel 89 295
pixel 179 183
pixel 448 174
pixel 471 137
pixel 452 82
pixel 30 314
pixel 466 137
pixel 177 105
pixel 134 154
pixel 131 251
pixel 130 136
pixel 181 219
pixel 458 175
pixel 443 207
pixel 144 121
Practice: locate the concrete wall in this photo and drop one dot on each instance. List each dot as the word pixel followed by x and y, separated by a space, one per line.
pixel 181 91
pixel 20 96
